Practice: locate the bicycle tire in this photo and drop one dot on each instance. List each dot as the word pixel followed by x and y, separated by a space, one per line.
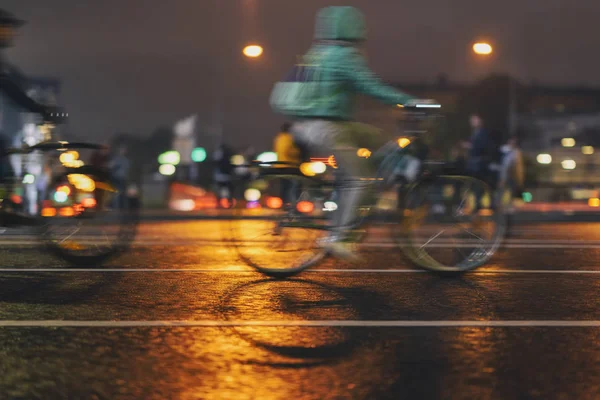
pixel 284 243
pixel 447 256
pixel 123 224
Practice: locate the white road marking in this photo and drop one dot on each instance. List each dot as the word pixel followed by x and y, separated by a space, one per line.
pixel 521 244
pixel 299 323
pixel 313 271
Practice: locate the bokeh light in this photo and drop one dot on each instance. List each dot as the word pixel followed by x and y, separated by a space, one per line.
pixel 88 202
pixel 169 157
pixel 544 158
pixel 403 142
pixel 198 154
pixel 305 206
pixel 330 206
pixel 166 169
pixel 482 48
pixel 274 203
pixel 252 194
pixel 363 153
pixel 569 164
pixel 253 51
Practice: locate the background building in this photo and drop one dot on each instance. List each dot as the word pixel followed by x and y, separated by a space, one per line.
pixel 559 127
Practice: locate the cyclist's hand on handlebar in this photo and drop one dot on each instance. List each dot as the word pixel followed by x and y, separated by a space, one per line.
pixel 422 103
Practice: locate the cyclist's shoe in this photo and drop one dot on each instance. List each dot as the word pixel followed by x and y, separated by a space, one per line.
pixel 341 247
pixel 344 250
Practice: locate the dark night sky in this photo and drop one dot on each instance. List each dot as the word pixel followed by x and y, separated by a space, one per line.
pixel 131 65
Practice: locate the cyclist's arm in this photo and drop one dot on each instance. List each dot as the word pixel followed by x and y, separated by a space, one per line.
pixel 356 70
pixel 17 95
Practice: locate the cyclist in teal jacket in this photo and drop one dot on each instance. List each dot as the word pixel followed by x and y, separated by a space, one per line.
pixel 340 31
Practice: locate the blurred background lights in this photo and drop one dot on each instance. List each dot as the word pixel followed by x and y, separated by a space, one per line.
pixel 166 169
pixel 544 158
pixel 198 154
pixel 403 142
pixel 252 195
pixel 330 206
pixel 169 157
pixel 569 164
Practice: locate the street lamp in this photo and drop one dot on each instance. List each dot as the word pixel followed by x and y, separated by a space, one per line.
pixel 482 48
pixel 485 49
pixel 253 51
pixel 250 51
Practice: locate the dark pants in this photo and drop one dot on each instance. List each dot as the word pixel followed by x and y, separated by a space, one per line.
pixel 220 187
pixel 290 191
pixel 120 199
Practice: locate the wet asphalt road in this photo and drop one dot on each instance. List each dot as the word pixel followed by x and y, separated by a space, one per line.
pixel 180 317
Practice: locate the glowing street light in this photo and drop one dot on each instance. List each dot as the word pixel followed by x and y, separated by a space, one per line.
pixel 169 157
pixel 544 158
pixel 167 169
pixel 482 48
pixel 237 160
pixel 567 142
pixel 252 194
pixel 253 51
pixel 569 164
pixel 587 150
pixel 198 154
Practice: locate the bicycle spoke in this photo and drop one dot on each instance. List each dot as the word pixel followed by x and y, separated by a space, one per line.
pixel 433 238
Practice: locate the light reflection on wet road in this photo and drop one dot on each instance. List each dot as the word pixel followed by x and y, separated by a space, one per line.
pixel 188 275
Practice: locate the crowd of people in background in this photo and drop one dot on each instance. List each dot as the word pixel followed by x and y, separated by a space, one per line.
pixel 500 166
pixel 482 156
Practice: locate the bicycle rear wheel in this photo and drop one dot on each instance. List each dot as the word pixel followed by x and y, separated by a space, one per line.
pixel 451 224
pixel 81 222
pixel 281 238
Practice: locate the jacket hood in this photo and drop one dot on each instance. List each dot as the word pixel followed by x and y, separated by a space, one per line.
pixel 340 23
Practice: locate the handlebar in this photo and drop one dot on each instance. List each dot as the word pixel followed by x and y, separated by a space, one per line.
pixel 420 104
pixel 57 146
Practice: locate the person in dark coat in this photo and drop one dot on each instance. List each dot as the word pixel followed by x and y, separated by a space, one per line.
pixel 8 86
pixel 483 151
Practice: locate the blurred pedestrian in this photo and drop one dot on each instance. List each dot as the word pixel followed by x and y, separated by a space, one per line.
pixel 482 153
pixel 479 149
pixel 42 183
pixel 512 172
pixel 289 155
pixel 223 174
pixel 100 160
pixel 119 172
pixel 6 169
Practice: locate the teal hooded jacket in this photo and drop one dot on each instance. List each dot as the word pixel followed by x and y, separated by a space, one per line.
pixel 344 70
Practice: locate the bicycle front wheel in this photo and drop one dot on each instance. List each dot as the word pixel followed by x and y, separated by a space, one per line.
pixel 451 224
pixel 86 220
pixel 279 235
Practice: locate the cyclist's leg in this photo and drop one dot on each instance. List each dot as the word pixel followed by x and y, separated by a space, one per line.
pixel 342 139
pixel 353 191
